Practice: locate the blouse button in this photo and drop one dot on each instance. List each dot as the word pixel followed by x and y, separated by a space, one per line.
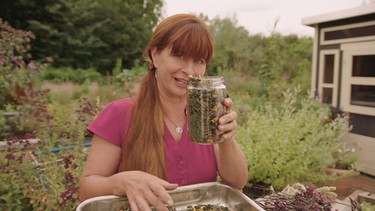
pixel 182 162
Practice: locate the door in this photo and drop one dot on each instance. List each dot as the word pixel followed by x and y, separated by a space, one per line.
pixel 358 98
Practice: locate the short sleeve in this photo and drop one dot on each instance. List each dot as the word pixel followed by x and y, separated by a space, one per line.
pixel 113 121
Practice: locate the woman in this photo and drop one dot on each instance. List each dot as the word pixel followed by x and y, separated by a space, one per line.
pixel 140 148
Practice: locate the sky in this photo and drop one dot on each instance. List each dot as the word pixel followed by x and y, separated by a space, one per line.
pixel 259 16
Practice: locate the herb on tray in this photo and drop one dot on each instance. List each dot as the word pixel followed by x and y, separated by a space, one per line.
pixel 207 207
pixel 128 209
pixel 200 207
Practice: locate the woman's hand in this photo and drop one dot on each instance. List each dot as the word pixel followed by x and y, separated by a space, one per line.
pixel 228 122
pixel 231 161
pixel 100 177
pixel 144 190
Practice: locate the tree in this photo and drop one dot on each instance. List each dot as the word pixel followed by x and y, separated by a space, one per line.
pixel 284 57
pixel 235 50
pixel 87 33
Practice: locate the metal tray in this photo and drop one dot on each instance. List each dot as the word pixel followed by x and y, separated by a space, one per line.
pixel 205 193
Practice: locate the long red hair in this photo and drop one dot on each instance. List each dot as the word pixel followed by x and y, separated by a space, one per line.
pixel 188 35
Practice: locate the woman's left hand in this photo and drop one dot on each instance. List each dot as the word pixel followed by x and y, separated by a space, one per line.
pixel 231 160
pixel 228 122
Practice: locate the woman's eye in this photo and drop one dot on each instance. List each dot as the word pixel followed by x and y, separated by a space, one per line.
pixel 180 56
pixel 199 61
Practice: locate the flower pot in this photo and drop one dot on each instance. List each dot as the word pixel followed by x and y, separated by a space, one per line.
pixel 340 172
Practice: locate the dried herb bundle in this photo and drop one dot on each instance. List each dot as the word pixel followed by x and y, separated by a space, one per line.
pixel 299 197
pixel 205 97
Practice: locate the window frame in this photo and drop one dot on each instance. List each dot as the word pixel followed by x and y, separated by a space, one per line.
pixel 343 27
pixel 350 50
pixel 335 84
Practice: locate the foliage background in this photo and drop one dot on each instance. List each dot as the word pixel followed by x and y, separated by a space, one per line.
pixel 96 45
pixel 85 33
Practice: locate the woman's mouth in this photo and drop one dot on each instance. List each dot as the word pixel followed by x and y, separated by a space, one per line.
pixel 181 81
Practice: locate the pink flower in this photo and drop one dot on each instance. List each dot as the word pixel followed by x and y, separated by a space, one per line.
pixel 32 66
pixel 49 59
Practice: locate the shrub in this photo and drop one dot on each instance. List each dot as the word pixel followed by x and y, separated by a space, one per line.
pixel 291 142
pixel 41 178
pixel 78 76
pixel 367 206
pixel 19 78
pixel 19 73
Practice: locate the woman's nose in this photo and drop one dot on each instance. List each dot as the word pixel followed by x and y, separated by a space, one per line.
pixel 189 67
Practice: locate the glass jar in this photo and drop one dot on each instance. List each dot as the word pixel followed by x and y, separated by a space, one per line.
pixel 205 97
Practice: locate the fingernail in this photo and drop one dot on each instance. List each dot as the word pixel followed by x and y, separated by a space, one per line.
pixel 170 202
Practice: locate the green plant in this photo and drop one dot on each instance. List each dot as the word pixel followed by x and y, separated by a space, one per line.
pixel 126 77
pixel 5 129
pixel 19 78
pixel 78 76
pixel 48 179
pixel 367 206
pixel 344 158
pixel 11 195
pixel 18 72
pixel 290 142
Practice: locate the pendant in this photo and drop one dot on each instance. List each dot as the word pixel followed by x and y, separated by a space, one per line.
pixel 179 129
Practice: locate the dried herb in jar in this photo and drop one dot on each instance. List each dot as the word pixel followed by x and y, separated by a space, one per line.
pixel 205 96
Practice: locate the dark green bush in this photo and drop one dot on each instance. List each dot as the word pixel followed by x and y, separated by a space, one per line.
pixel 78 76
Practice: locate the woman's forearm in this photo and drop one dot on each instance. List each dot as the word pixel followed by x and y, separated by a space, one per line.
pixel 232 164
pixel 94 185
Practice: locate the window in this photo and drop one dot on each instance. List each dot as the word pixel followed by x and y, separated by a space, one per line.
pixel 363 31
pixel 329 62
pixel 350 33
pixel 362 95
pixel 364 66
pixel 328 76
pixel 358 87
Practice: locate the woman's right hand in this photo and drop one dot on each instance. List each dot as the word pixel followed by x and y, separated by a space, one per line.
pixel 143 190
pixel 100 177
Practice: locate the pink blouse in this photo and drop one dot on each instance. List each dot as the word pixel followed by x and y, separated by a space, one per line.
pixel 186 162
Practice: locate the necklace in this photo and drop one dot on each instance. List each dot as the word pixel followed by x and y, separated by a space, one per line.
pixel 178 128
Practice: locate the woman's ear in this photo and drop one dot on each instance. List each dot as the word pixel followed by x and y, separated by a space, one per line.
pixel 154 57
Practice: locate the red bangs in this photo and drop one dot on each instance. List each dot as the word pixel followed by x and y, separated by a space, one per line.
pixel 192 40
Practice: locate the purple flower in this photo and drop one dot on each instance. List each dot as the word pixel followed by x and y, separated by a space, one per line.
pixel 32 66
pixel 13 58
pixel 10 157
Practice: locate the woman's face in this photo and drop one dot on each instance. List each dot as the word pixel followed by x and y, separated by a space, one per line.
pixel 173 71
